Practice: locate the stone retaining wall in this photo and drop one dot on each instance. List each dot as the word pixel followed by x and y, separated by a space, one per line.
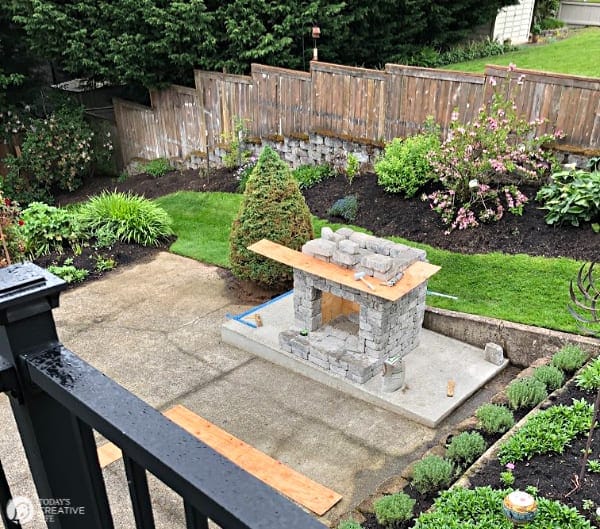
pixel 309 149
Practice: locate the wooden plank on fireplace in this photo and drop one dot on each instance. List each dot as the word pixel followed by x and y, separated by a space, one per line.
pixel 415 275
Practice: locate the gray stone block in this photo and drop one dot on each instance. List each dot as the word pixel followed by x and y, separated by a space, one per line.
pixel 323 363
pixel 379 263
pixel 319 247
pixel 326 233
pixel 360 238
pixel 386 276
pixel 348 246
pixel 393 374
pixel 338 370
pixel 403 261
pixel 346 233
pixel 300 346
pixel 285 338
pixel 347 259
pixel 494 353
pixel 380 246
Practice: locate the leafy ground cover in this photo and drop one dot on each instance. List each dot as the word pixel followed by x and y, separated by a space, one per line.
pixel 564 56
pixel 542 455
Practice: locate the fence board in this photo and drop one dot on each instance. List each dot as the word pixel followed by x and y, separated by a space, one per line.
pixel 568 102
pixel 137 126
pixel 333 85
pixel 350 102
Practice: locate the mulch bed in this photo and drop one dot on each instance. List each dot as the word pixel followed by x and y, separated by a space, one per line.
pixel 385 214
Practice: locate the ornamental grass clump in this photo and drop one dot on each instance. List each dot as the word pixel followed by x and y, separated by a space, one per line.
pixel 552 377
pixel 130 218
pixel 494 418
pixel 465 448
pixel 525 392
pixel 394 508
pixel 272 208
pixel 569 359
pixel 432 473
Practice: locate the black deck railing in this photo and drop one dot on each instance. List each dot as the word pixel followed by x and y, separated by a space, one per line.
pixel 58 400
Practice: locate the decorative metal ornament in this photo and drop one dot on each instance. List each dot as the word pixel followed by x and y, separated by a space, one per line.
pixel 586 300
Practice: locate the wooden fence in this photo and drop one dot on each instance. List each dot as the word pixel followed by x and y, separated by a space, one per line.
pixel 352 103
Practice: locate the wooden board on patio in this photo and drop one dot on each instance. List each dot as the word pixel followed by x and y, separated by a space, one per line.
pixel 282 478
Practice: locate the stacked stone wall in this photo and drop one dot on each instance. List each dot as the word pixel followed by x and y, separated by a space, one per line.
pixel 383 329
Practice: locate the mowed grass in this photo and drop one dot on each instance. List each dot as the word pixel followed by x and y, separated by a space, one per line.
pixel 202 222
pixel 578 54
pixel 518 288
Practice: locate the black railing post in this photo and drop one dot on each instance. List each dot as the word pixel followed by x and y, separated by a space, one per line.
pixel 60 448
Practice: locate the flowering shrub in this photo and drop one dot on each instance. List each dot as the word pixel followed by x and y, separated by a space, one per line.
pixel 478 159
pixel 243 172
pixel 13 246
pixel 56 152
pixel 13 122
pixel 488 202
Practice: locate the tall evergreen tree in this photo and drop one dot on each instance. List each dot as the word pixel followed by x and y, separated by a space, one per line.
pixel 154 42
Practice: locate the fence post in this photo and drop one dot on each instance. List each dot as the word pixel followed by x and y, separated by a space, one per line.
pixel 60 448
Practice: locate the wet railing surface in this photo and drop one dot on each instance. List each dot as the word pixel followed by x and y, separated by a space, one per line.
pixel 59 400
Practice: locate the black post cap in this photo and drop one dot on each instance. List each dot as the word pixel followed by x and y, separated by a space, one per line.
pixel 23 282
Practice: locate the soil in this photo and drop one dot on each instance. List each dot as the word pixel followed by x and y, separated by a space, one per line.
pixel 387 214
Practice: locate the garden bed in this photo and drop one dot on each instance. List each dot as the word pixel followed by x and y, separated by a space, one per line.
pixel 549 476
pixel 387 214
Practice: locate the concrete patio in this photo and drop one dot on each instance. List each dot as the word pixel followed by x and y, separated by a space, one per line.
pixel 155 328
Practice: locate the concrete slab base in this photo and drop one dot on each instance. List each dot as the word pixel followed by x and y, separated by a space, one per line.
pixel 437 360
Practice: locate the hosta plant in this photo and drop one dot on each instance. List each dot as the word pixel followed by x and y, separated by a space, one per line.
pixel 572 197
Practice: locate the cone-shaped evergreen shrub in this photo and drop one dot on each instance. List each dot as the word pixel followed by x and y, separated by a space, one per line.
pixel 272 208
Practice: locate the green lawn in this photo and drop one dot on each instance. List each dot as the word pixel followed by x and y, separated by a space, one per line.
pixel 578 55
pixel 518 288
pixel 202 222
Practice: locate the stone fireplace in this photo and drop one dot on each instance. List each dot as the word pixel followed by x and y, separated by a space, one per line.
pixel 352 326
